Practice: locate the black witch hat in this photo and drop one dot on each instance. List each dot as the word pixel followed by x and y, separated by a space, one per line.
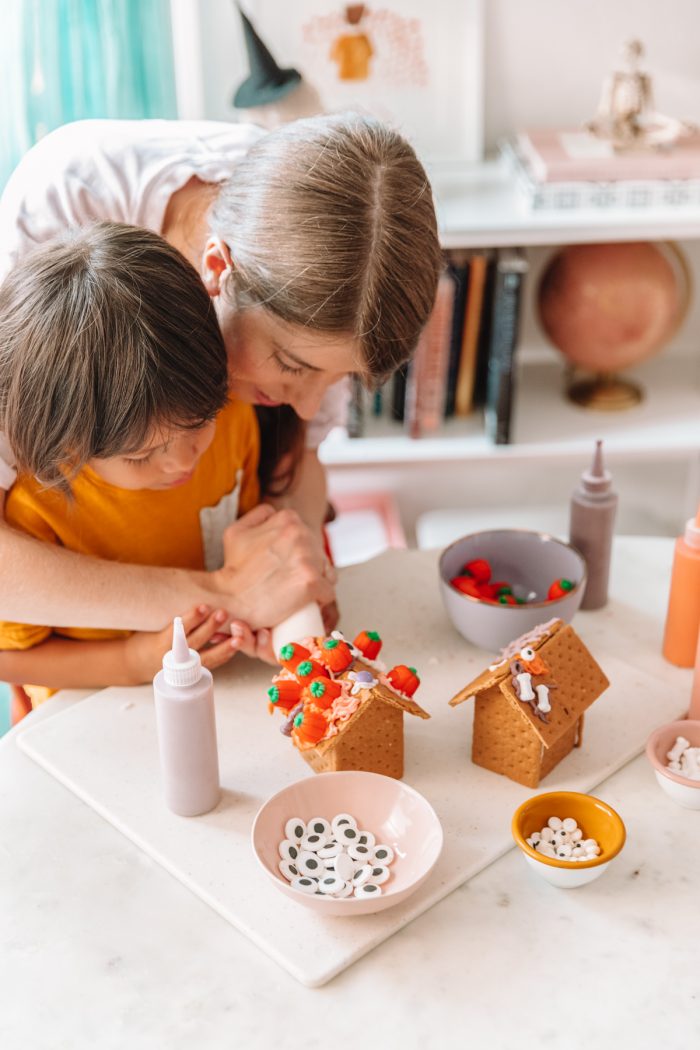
pixel 267 82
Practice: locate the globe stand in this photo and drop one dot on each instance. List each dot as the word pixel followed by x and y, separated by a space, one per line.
pixel 605 392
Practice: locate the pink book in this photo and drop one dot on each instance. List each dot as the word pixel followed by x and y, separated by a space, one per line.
pixel 574 155
pixel 425 399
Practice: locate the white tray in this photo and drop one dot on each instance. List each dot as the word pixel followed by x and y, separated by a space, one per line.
pixel 104 749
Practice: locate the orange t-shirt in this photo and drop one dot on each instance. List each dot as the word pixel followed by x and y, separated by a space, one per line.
pixel 180 527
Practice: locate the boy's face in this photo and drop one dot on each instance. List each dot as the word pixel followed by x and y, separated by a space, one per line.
pixel 167 460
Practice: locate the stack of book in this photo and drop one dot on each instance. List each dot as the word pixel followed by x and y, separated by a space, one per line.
pixel 565 169
pixel 464 362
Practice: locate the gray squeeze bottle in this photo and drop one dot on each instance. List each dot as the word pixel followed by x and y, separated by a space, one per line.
pixel 591 527
pixel 186 726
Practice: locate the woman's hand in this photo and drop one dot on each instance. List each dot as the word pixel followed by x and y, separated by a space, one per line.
pixel 145 649
pixel 273 567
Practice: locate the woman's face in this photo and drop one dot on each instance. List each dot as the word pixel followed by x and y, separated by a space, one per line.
pixel 275 363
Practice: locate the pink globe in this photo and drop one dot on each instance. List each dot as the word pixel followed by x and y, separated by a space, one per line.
pixel 608 306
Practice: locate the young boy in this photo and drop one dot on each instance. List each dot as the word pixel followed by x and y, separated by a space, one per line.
pixel 113 395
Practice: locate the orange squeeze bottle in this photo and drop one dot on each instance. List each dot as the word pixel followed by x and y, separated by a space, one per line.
pixel 694 711
pixel 683 616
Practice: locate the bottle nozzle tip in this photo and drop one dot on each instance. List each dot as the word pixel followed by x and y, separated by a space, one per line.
pixel 180 648
pixel 597 468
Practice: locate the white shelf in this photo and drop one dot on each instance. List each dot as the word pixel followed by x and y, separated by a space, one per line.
pixel 480 207
pixel 665 426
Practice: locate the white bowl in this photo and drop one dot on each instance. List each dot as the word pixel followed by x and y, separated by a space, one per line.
pixel 528 560
pixel 682 790
pixel 395 813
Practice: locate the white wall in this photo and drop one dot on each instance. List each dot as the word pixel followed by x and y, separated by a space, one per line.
pixel 544 59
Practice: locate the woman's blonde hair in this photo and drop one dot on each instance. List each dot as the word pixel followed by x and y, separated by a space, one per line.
pixel 331 224
pixel 105 333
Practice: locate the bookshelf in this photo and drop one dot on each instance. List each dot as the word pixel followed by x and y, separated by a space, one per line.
pixel 481 208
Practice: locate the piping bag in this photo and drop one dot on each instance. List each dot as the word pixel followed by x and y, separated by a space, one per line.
pixel 305 623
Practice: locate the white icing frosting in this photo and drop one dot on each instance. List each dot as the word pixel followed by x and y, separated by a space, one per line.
pixel 535 635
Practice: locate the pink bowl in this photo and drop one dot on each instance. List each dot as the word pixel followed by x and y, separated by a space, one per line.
pixel 682 790
pixel 394 812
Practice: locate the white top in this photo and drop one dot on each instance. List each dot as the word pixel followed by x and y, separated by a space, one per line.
pixel 124 171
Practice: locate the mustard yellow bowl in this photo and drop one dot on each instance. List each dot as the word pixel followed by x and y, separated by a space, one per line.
pixel 596 819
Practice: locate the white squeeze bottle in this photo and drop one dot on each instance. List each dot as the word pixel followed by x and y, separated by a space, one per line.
pixel 186 725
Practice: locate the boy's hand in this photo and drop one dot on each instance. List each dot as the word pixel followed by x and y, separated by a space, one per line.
pixel 257 644
pixel 146 649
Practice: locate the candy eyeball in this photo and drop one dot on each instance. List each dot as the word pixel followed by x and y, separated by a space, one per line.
pixel 318 826
pixel 331 884
pixel 347 834
pixel 295 829
pixel 313 842
pixel 360 852
pixel 528 653
pixel 333 858
pixel 332 849
pixel 379 875
pixel 305 884
pixel 288 849
pixel 368 889
pixel 309 863
pixel 343 818
pixel 383 854
pixel 362 874
pixel 288 869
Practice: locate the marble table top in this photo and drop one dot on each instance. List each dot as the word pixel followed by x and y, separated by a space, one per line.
pixel 100 948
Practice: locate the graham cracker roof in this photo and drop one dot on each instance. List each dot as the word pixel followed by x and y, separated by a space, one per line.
pixel 578 678
pixel 378 692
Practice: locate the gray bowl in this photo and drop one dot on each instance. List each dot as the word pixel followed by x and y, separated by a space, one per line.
pixel 530 562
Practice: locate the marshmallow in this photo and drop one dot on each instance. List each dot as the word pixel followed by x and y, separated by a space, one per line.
pixel 564 840
pixel 678 748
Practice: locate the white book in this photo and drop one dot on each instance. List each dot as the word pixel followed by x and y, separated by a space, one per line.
pixel 638 194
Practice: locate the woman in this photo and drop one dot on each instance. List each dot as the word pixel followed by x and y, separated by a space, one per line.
pixel 318 244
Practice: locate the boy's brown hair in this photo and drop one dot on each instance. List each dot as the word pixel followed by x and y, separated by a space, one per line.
pixel 105 333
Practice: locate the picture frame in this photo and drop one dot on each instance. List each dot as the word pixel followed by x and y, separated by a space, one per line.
pixel 415 65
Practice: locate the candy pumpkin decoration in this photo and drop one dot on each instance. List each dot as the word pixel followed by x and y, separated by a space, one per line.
pixel 336 655
pixel 310 726
pixel 291 655
pixel 284 694
pixel 369 643
pixel 322 692
pixel 307 670
pixel 404 679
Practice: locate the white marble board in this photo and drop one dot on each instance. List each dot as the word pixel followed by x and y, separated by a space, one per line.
pixel 104 749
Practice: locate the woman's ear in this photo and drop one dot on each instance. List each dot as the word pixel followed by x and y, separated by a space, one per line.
pixel 216 265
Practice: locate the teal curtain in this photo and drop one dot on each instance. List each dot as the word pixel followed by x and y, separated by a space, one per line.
pixel 63 60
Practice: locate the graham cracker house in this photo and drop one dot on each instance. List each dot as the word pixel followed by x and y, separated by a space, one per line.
pixel 343 710
pixel 529 707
